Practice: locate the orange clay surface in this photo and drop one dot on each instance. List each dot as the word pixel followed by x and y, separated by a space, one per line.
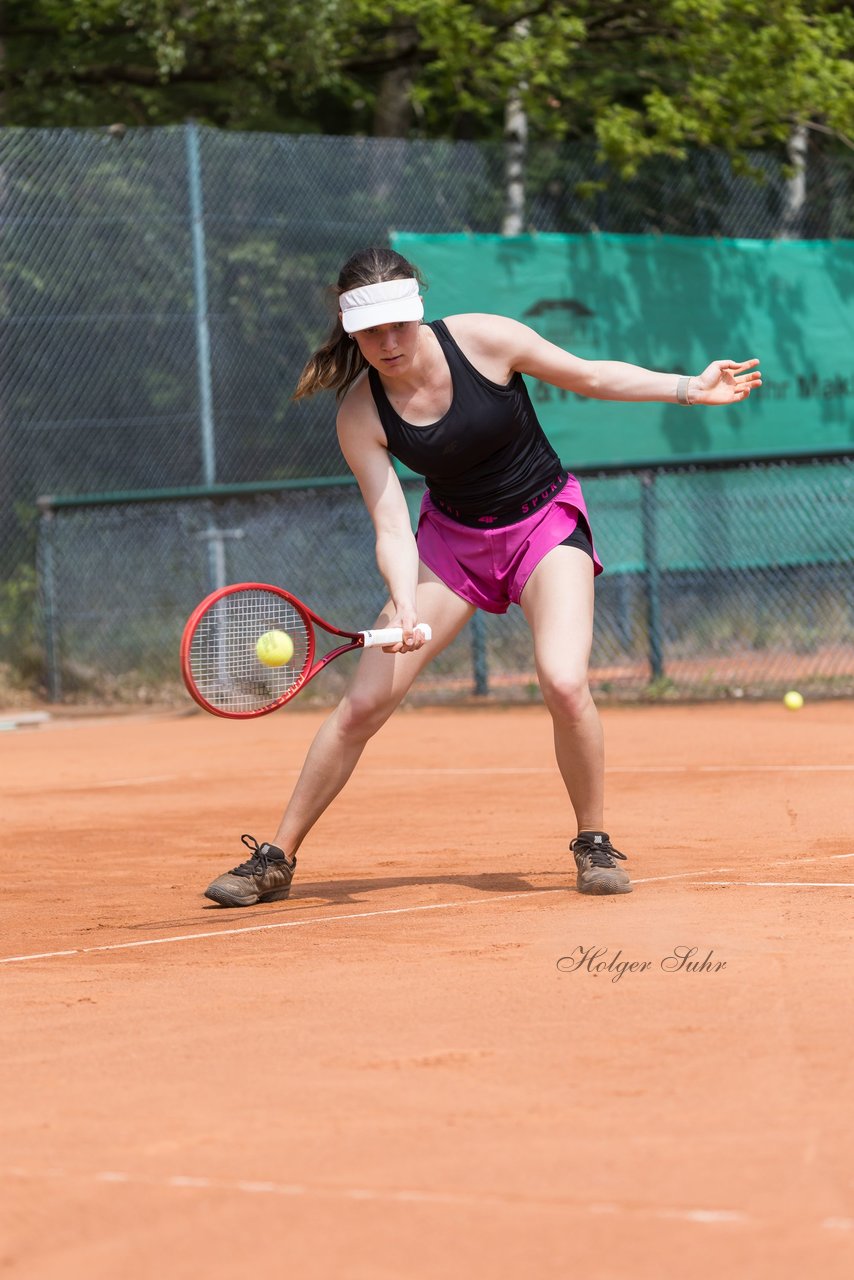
pixel 391 1076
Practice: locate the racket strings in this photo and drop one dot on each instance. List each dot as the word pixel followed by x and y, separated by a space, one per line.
pixel 224 664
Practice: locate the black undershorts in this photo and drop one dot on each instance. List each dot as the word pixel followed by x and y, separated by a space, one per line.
pixel 580 537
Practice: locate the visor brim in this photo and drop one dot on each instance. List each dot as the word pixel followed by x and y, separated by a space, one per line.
pixel 394 312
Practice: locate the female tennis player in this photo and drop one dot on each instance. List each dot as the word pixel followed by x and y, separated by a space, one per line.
pixel 502 522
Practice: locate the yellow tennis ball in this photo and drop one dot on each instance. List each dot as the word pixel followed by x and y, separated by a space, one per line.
pixel 794 700
pixel 274 648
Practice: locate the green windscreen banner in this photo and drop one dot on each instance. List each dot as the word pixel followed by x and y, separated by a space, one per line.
pixel 672 304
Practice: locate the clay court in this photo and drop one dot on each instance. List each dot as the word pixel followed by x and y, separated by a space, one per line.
pixel 436 1059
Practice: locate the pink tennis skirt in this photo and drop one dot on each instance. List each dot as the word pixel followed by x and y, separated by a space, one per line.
pixel 489 567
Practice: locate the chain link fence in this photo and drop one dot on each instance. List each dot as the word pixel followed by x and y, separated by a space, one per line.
pixel 686 606
pixel 160 293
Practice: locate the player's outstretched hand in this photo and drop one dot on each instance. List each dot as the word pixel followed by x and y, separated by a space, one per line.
pixel 725 382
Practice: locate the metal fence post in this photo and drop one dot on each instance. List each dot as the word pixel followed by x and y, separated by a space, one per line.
pixel 652 574
pixel 200 291
pixel 217 573
pixel 47 579
pixel 478 653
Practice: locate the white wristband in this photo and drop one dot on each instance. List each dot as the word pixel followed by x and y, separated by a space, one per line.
pixel 682 391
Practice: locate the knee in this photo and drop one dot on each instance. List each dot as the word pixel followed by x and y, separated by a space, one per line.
pixel 360 715
pixel 566 695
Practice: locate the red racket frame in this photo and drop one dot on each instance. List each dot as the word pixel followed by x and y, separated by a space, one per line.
pixel 310 668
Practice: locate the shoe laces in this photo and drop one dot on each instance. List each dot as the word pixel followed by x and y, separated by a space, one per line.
pixel 600 852
pixel 257 864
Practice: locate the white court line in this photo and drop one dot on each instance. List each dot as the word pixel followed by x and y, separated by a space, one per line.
pixel 681 875
pixel 733 768
pixel 826 857
pixel 713 871
pixel 510 770
pixel 281 924
pixel 183 1182
pixel 475 771
pixel 781 884
pixel 137 782
pixel 353 915
pixel 387 911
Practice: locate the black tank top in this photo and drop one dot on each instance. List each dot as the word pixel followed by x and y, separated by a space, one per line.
pixel 488 455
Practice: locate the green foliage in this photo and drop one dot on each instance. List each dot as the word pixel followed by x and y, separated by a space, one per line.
pixel 643 79
pixel 231 63
pixel 659 689
pixel 735 75
pixel 17 618
pixel 20 653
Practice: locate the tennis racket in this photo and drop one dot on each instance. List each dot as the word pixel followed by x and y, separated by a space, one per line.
pixel 219 663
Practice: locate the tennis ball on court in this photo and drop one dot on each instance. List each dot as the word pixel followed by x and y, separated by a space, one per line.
pixel 274 648
pixel 793 700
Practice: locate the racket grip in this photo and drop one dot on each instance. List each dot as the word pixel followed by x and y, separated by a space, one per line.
pixel 392 635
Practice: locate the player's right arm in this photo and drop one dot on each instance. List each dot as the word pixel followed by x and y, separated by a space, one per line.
pixel 365 450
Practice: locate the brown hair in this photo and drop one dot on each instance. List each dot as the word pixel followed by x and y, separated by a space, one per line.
pixel 338 362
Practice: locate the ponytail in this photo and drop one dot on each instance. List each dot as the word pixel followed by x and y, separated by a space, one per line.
pixel 334 367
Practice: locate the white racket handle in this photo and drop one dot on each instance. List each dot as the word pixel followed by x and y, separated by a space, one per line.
pixel 392 635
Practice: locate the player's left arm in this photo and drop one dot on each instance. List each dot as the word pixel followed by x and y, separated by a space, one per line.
pixel 722 382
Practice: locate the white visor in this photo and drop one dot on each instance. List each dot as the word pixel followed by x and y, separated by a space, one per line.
pixel 387 302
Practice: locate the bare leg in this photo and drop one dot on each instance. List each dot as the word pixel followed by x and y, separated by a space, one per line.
pixel 558 603
pixel 377 688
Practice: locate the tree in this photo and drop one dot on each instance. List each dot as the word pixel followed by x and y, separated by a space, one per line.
pixel 642 78
pixel 731 74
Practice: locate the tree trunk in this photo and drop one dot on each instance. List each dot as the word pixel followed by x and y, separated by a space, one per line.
pixel 393 109
pixel 794 207
pixel 515 154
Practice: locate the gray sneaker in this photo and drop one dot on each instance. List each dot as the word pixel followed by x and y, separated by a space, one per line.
pixel 265 877
pixel 595 858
